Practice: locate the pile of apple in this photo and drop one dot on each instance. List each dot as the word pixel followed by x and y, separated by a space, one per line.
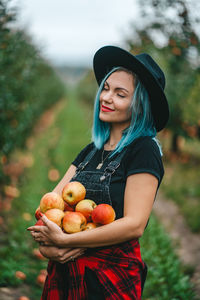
pixel 71 211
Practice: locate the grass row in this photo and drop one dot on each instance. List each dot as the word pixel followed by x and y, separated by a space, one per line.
pixel 55 149
pixel 166 279
pixel 181 183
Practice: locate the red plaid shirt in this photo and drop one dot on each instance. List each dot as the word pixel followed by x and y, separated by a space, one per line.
pixel 118 268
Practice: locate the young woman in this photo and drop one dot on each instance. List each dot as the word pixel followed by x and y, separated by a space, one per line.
pixel 121 167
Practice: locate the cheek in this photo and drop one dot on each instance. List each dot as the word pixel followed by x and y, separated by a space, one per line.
pixel 125 108
pixel 125 111
pixel 100 97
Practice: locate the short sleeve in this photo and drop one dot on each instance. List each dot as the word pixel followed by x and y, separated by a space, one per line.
pixel 80 157
pixel 145 157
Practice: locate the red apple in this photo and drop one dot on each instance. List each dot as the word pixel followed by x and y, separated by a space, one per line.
pixel 103 214
pixel 51 200
pixel 37 213
pixel 23 298
pixel 36 252
pixel 67 207
pixel 86 207
pixel 39 223
pixel 41 279
pixel 74 222
pixel 73 192
pixel 20 275
pixel 90 225
pixel 55 215
pixel 43 271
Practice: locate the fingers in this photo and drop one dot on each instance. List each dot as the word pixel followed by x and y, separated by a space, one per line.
pixel 46 221
pixel 36 236
pixel 76 252
pixel 70 255
pixel 49 224
pixel 50 233
pixel 35 228
pixel 39 238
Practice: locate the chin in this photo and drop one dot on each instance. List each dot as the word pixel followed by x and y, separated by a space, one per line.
pixel 105 118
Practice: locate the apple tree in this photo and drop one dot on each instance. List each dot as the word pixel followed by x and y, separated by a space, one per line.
pixel 168 30
pixel 29 85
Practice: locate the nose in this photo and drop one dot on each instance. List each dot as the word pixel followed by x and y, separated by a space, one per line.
pixel 106 96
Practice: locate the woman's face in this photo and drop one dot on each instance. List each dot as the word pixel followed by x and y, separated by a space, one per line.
pixel 116 98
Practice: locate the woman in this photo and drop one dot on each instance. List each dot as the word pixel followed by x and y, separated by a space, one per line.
pixel 122 167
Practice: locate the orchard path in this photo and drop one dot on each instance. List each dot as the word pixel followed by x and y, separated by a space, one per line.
pixel 186 243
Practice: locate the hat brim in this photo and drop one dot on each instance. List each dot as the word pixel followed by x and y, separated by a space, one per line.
pixel 109 57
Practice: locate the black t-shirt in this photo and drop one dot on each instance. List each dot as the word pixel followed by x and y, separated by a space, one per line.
pixel 142 156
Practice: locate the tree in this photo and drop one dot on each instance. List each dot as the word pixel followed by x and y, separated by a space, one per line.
pixel 29 85
pixel 167 31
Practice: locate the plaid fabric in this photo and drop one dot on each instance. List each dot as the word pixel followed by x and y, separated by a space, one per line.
pixel 118 268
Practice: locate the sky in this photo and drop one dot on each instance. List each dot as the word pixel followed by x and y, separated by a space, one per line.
pixel 70 31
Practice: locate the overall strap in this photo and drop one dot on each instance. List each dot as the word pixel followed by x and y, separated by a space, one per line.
pixel 86 160
pixel 113 165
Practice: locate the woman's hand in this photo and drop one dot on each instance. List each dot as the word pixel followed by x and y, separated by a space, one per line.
pixel 61 255
pixel 48 235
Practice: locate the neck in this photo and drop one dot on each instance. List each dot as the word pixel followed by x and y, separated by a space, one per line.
pixel 115 137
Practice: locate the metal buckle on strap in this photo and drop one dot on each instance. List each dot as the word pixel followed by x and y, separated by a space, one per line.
pixel 86 160
pixel 110 169
pixel 102 178
pixel 81 166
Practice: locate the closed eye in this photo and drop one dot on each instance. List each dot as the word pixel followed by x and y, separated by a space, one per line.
pixel 121 96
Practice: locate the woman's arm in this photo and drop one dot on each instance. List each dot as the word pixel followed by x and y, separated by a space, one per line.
pixel 139 196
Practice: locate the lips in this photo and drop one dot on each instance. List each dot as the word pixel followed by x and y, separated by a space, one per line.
pixel 106 109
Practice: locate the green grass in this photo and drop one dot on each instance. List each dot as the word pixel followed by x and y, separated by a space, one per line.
pixel 56 148
pixel 181 180
pixel 181 184
pixel 165 279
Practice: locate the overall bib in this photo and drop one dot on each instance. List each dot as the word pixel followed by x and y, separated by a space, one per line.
pixel 97 189
pixel 97 182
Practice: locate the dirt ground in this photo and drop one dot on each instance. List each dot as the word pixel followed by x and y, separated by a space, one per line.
pixel 187 244
pixel 14 293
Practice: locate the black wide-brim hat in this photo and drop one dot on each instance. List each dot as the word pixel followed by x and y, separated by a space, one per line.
pixel 148 72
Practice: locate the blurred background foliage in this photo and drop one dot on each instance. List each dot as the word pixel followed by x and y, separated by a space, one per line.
pixel 168 33
pixel 29 86
pixel 173 23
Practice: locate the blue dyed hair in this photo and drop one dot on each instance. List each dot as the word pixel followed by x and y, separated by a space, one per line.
pixel 142 123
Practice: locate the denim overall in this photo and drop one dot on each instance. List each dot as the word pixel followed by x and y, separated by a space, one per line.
pixel 97 189
pixel 97 182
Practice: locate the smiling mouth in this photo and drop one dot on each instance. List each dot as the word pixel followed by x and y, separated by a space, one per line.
pixel 106 109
